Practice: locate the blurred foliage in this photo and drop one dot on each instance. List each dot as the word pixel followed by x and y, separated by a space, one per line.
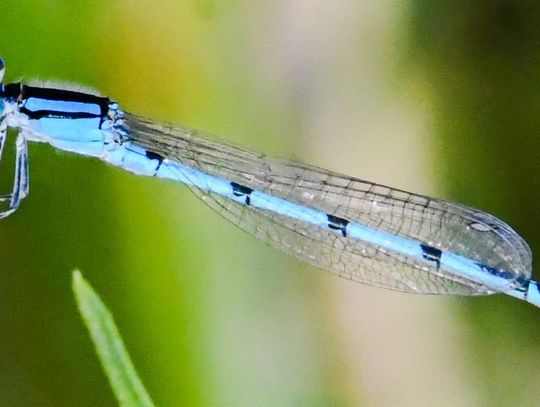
pixel 113 355
pixel 480 64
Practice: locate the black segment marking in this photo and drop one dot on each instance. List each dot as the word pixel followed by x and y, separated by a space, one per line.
pixel 241 190
pixel 431 253
pixel 154 156
pixel 502 274
pixel 336 223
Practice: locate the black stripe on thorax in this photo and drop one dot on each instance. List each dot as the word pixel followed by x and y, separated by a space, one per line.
pixel 39 114
pixel 23 92
pixel 66 96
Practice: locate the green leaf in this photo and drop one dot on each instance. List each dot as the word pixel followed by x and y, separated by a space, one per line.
pixel 112 353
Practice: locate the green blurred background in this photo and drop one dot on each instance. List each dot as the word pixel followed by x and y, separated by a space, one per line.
pixel 441 98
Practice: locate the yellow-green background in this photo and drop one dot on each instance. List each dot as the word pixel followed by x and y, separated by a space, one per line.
pixel 439 97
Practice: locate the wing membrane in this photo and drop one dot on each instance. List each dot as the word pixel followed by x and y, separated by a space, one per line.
pixel 449 227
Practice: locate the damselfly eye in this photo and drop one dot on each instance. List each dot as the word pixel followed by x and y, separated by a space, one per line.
pixel 2 69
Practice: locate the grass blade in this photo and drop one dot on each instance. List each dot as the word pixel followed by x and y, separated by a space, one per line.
pixel 112 353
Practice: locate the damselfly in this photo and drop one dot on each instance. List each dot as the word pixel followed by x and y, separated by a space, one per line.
pixel 356 229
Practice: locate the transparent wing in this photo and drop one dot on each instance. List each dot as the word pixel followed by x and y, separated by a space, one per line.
pixel 449 227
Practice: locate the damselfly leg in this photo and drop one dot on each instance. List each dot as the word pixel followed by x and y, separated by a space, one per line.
pixel 21 181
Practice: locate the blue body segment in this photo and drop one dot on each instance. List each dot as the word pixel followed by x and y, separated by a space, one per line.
pixel 356 229
pixel 82 136
pixel 461 266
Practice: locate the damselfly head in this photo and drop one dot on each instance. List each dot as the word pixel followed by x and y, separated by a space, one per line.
pixel 2 69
